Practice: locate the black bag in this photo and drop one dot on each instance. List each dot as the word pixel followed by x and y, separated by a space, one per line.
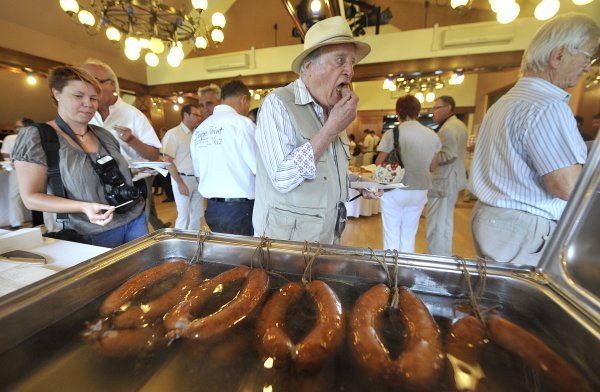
pixel 356 151
pixel 51 145
pixel 394 156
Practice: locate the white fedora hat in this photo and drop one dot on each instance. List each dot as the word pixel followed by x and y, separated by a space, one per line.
pixel 330 31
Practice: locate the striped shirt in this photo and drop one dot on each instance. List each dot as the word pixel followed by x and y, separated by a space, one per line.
pixel 287 164
pixel 528 133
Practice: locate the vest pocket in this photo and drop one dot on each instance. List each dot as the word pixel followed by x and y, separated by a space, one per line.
pixel 293 226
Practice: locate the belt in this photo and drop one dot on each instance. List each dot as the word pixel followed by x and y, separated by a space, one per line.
pixel 187 175
pixel 230 200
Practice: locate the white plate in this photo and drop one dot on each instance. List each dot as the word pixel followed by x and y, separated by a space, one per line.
pixel 375 185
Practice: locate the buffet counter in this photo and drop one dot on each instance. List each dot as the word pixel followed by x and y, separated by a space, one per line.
pixel 59 256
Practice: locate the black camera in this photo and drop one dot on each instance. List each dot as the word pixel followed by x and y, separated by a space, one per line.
pixel 116 189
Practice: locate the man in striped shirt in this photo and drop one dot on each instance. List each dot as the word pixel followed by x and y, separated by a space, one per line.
pixel 302 173
pixel 529 153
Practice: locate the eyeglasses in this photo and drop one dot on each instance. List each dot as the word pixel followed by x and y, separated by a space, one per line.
pixel 102 81
pixel 591 58
pixel 438 107
pixel 196 115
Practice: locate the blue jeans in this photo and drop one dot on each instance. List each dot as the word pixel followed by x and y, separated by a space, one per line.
pixel 230 217
pixel 120 235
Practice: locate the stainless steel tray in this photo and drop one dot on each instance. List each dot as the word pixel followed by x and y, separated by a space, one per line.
pixel 40 347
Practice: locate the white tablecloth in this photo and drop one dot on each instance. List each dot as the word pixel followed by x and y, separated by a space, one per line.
pixel 59 255
pixel 361 206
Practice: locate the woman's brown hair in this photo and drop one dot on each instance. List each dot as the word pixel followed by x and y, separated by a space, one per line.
pixel 60 76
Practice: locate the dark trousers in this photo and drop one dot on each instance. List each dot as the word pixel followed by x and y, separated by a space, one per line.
pixel 230 217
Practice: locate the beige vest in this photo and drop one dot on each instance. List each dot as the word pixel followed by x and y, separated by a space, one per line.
pixel 309 211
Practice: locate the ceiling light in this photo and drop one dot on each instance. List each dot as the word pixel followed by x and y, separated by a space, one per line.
pixel 30 79
pixel 315 6
pixel 151 59
pixel 546 9
pixel 420 97
pixel 179 99
pixel 430 96
pixel 156 22
pixel 508 13
pixel 175 107
pixel 200 42
pixel 458 3
pixel 582 2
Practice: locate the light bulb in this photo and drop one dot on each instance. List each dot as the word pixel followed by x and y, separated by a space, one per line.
pixel 177 51
pixel 257 96
pixel 546 9
pixel 31 80
pixel 156 45
pixel 179 99
pixel 69 6
pixel 508 14
pixel 420 97
pixel 133 43
pixel 86 18
pixel 151 59
pixel 217 35
pixel 218 20
pixel 430 96
pixel 145 43
pixel 113 34
pixel 173 60
pixel 458 3
pixel 201 42
pixel 200 4
pixel 175 107
pixel 315 6
pixel 582 2
pixel 132 54
pixel 496 5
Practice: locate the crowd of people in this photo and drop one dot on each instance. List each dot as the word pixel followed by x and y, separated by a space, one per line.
pixel 282 171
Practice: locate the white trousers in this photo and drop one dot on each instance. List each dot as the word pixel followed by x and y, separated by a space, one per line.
pixel 440 222
pixel 190 209
pixel 401 210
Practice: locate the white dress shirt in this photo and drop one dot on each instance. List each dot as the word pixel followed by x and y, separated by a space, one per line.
pixel 126 115
pixel 176 144
pixel 224 155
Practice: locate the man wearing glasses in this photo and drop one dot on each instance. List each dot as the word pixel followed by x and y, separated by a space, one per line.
pixel 176 150
pixel 448 179
pixel 529 154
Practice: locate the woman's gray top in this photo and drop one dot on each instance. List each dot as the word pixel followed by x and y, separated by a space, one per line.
pixel 78 176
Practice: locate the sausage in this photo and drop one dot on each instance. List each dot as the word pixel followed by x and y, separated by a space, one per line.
pixel 536 354
pixel 124 342
pixel 323 340
pixel 234 313
pixel 181 319
pixel 155 310
pixel 120 299
pixel 182 314
pixel 464 345
pixel 419 366
pixel 273 341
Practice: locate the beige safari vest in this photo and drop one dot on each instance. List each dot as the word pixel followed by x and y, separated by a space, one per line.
pixel 309 211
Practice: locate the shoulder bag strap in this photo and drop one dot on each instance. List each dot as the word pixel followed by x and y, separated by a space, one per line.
pixel 51 145
pixel 397 145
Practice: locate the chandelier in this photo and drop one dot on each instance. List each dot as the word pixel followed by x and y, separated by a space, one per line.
pixel 148 26
pixel 422 86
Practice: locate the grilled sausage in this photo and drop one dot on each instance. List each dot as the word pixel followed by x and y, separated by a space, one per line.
pixel 155 310
pixel 536 354
pixel 323 340
pixel 419 365
pixel 230 315
pixel 124 342
pixel 120 299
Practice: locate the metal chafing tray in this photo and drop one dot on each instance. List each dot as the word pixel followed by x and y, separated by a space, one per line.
pixel 40 347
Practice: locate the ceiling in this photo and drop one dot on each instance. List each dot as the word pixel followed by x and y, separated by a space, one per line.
pixel 250 23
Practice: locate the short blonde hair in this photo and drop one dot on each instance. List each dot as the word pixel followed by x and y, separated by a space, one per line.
pixel 211 88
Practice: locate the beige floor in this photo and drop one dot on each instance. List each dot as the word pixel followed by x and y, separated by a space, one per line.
pixel 367 231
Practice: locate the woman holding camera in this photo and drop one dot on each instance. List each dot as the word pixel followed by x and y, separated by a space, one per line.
pixel 95 176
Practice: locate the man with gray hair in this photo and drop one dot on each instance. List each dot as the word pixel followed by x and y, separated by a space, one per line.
pixel 208 97
pixel 301 179
pixel 529 154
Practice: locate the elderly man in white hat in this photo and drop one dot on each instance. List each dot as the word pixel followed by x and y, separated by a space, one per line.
pixel 301 180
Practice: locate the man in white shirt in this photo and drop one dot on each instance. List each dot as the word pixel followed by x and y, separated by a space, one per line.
pixel 224 160
pixel 176 151
pixel 529 153
pixel 128 125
